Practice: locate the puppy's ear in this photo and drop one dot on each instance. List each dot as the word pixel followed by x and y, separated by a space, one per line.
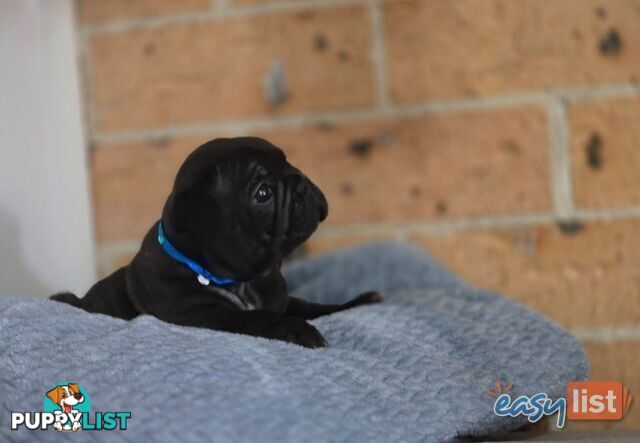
pixel 55 394
pixel 74 388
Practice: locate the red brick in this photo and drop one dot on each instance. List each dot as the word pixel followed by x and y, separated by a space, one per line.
pixel 202 71
pixel 585 279
pixel 131 183
pixel 605 141
pixel 412 169
pixel 451 49
pixel 436 166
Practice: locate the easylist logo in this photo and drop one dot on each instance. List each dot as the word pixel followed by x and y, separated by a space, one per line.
pixel 597 400
pixel 586 400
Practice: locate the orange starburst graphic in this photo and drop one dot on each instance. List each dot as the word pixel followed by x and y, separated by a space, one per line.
pixel 499 389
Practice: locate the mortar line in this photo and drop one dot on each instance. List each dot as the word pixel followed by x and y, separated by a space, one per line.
pixel 378 53
pixel 604 334
pixel 475 223
pixel 436 227
pixel 225 12
pixel 339 116
pixel 609 213
pixel 600 92
pixel 120 246
pixel 336 117
pixel 400 230
pixel 560 164
pixel 403 230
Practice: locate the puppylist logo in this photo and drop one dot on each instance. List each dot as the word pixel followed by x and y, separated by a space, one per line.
pixel 66 407
pixel 586 400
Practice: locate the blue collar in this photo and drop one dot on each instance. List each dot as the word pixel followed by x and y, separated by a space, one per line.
pixel 204 277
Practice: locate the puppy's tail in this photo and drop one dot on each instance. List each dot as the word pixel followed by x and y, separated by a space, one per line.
pixel 67 297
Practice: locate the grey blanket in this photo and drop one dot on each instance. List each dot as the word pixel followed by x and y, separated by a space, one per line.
pixel 414 368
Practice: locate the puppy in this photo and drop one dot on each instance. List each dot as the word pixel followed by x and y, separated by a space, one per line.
pixel 213 260
pixel 66 397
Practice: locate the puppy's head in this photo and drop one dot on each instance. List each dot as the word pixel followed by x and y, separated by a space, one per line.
pixel 238 206
pixel 66 396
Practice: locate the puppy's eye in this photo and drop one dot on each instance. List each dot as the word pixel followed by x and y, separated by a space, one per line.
pixel 264 193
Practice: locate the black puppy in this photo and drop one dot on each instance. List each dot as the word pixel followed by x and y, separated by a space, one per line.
pixel 213 260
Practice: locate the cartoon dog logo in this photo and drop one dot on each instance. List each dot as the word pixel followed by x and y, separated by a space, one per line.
pixel 66 396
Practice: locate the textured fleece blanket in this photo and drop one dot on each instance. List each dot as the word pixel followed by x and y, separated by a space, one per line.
pixel 414 368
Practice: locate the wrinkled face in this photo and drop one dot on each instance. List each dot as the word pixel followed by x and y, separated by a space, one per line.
pixel 238 203
pixel 281 203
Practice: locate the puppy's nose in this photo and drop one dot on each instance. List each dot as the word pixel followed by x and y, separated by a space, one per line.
pixel 77 396
pixel 324 205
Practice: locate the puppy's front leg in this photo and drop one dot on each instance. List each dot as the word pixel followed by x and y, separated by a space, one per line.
pixel 291 329
pixel 309 311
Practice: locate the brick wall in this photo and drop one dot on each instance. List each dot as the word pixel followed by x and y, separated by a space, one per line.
pixel 501 135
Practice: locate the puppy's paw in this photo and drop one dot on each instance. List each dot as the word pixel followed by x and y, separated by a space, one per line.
pixel 296 330
pixel 365 299
pixel 67 297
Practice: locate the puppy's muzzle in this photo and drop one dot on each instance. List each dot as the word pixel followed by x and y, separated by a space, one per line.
pixel 306 193
pixel 307 196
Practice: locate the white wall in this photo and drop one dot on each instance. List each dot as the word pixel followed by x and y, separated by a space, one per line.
pixel 46 238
